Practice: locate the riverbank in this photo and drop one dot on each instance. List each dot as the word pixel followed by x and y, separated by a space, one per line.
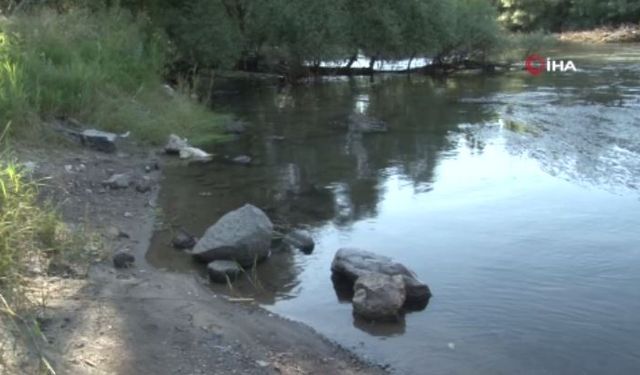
pixel 144 320
pixel 622 34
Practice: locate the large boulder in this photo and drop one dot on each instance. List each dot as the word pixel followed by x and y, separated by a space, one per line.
pixel 350 264
pixel 243 235
pixel 378 296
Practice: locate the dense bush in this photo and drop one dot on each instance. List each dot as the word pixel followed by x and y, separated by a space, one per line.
pixel 101 67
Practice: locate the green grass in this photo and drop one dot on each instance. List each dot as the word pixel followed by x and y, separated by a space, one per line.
pixel 30 230
pixel 101 68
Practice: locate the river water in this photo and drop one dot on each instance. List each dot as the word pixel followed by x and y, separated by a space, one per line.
pixel 515 198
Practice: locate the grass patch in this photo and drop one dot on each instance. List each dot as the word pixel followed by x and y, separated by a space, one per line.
pixel 32 234
pixel 103 68
pixel 34 243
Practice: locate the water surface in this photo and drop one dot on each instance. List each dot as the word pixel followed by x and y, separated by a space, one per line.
pixel 514 197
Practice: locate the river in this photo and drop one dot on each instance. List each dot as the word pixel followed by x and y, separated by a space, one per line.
pixel 514 197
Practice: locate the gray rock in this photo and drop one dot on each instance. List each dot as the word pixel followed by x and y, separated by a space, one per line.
pixel 195 154
pixel 222 270
pixel 183 240
pixel 123 260
pixel 99 140
pixel 243 235
pixel 378 296
pixel 300 239
pixel 175 144
pixel 143 185
pixel 242 159
pixel 351 263
pixel 360 123
pixel 118 181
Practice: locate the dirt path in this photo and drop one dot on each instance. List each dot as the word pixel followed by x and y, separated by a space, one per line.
pixel 145 321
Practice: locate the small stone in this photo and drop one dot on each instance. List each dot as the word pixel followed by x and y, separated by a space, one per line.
pixel 99 140
pixel 68 168
pixel 143 185
pixel 183 240
pixel 262 363
pixel 242 159
pixel 117 233
pixel 175 144
pixel 118 181
pixel 128 214
pixel 123 260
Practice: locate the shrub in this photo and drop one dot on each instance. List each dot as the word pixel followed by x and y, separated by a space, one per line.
pixel 101 67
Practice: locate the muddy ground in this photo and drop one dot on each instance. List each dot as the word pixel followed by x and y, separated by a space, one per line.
pixel 146 321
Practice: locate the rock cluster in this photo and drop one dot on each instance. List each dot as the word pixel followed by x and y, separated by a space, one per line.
pixel 376 280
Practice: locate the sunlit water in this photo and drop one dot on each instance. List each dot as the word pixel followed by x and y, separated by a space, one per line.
pixel 514 197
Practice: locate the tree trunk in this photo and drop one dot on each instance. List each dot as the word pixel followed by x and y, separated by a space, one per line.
pixel 352 59
pixel 413 55
pixel 372 63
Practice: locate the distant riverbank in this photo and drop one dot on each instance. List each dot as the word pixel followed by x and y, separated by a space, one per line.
pixel 621 34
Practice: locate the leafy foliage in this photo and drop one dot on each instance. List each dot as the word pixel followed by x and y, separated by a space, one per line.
pixel 102 67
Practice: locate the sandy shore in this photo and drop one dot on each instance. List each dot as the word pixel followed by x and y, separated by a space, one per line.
pixel 622 34
pixel 146 321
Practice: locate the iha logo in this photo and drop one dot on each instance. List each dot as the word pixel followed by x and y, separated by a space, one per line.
pixel 536 64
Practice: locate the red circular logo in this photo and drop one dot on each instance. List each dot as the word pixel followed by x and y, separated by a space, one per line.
pixel 534 64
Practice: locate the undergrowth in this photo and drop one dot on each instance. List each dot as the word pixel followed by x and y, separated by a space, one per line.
pixel 103 68
pixel 34 243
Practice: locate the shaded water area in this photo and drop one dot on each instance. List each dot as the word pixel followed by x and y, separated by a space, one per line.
pixel 515 198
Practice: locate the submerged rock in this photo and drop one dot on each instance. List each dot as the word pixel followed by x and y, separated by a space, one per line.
pixel 300 239
pixel 241 159
pixel 222 270
pixel 350 264
pixel 243 235
pixel 360 123
pixel 123 260
pixel 378 296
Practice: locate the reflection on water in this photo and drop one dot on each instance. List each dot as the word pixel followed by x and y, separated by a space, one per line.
pixel 514 197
